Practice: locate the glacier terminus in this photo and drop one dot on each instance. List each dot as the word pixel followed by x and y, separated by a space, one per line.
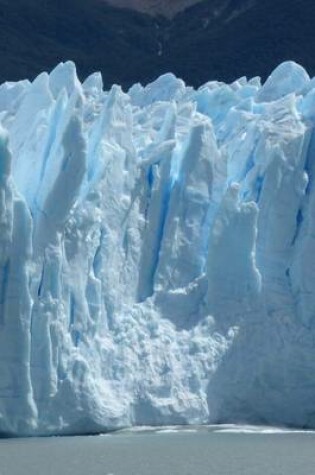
pixel 157 253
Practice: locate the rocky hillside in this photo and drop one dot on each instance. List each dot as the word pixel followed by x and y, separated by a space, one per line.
pixel 154 7
pixel 210 40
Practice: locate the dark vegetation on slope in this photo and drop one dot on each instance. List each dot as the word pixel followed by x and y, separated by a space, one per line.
pixel 37 34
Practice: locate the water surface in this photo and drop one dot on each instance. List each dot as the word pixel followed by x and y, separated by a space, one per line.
pixel 227 450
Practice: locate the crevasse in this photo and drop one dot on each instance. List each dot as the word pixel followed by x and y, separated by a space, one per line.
pixel 157 260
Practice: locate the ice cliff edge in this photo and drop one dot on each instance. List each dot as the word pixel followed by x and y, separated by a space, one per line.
pixel 157 253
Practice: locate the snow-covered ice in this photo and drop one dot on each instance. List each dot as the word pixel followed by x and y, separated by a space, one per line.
pixel 157 253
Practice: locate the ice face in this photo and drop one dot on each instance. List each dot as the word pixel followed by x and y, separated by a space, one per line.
pixel 156 253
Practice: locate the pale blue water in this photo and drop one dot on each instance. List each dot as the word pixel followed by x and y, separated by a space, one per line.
pixel 202 452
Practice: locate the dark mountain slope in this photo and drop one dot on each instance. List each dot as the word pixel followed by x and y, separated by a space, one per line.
pixel 252 43
pixel 36 34
pixel 247 37
pixel 167 8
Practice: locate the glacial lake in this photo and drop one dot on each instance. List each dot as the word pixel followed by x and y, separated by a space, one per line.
pixel 224 450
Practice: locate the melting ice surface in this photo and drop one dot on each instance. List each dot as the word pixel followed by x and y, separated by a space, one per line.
pixel 157 253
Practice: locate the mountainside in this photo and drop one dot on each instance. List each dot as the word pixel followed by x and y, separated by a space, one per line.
pixel 157 253
pixel 154 7
pixel 210 40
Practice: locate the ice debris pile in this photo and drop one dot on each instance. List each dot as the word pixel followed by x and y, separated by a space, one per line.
pixel 157 253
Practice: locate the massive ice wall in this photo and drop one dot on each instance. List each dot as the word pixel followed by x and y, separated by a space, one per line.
pixel 157 258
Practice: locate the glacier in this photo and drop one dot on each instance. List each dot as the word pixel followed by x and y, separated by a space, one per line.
pixel 157 253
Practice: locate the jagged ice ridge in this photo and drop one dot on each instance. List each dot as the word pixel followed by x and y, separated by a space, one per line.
pixel 157 253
